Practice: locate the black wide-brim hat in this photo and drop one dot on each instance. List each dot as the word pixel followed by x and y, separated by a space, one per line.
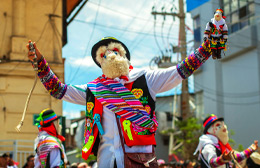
pixel 209 121
pixel 104 42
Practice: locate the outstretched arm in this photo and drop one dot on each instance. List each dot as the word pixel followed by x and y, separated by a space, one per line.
pixel 194 61
pixel 163 80
pixel 210 158
pixel 57 89
pixel 50 81
pixel 246 153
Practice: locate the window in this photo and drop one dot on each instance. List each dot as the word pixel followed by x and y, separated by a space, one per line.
pixel 196 25
pixel 239 13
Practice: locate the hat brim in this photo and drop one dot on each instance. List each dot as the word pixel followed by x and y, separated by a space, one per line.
pixel 207 127
pixel 105 42
pixel 46 124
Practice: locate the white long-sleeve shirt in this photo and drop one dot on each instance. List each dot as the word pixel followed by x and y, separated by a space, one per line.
pixel 110 146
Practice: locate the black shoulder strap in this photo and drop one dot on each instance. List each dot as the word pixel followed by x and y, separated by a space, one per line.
pixel 211 24
pixel 48 160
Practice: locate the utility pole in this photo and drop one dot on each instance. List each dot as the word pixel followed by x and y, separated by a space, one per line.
pixel 185 110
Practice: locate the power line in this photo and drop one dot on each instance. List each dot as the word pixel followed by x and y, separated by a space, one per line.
pixel 119 12
pixel 116 28
pixel 227 94
pixel 130 23
pixel 94 25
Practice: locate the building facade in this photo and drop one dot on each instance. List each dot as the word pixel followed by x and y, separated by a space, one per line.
pixel 230 87
pixel 23 20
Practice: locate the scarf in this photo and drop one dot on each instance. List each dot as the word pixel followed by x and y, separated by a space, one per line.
pixel 224 148
pixel 52 131
pixel 117 98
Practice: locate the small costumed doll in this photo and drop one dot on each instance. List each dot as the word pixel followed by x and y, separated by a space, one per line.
pixel 214 149
pixel 217 33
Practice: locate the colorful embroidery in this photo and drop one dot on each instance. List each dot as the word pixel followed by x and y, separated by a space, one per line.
pixel 148 109
pixel 50 80
pixel 90 106
pixel 144 100
pixel 117 98
pixel 89 121
pixel 137 93
pixel 127 129
pixel 194 61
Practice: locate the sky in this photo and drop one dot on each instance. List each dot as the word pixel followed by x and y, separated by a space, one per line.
pixel 132 23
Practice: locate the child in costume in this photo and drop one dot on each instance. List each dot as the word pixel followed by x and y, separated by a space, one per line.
pixel 49 149
pixel 217 33
pixel 213 148
pixel 121 99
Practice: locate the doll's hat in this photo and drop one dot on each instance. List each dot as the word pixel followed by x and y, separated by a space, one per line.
pixel 46 117
pixel 209 121
pixel 105 42
pixel 220 10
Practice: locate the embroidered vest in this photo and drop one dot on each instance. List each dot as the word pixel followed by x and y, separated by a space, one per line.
pixel 45 145
pixel 132 136
pixel 204 163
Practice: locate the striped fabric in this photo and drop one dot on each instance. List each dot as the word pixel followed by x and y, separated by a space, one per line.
pixel 50 80
pixel 243 155
pixel 49 117
pixel 194 61
pixel 117 98
pixel 218 161
pixel 211 119
pixel 45 145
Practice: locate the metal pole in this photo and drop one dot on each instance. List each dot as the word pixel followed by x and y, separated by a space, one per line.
pixel 171 142
pixel 15 151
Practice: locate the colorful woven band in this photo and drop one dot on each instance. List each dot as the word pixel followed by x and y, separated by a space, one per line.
pixel 210 120
pixel 117 98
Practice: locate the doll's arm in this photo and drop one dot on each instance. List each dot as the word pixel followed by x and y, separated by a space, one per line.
pixel 225 31
pixel 207 32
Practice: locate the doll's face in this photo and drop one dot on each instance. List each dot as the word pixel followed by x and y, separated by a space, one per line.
pixel 218 16
pixel 219 129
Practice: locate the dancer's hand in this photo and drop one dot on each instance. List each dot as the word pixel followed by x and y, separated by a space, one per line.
pixel 31 54
pixel 254 146
pixel 227 156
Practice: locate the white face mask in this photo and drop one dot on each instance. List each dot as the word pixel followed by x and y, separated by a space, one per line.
pixel 115 65
pixel 57 126
pixel 220 131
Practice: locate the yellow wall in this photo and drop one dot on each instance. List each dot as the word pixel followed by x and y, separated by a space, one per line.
pixel 24 20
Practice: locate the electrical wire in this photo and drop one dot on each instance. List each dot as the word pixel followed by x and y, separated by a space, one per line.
pixel 93 29
pixel 165 46
pixel 119 12
pixel 168 34
pixel 116 28
pixel 58 37
pixel 130 23
pixel 155 38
